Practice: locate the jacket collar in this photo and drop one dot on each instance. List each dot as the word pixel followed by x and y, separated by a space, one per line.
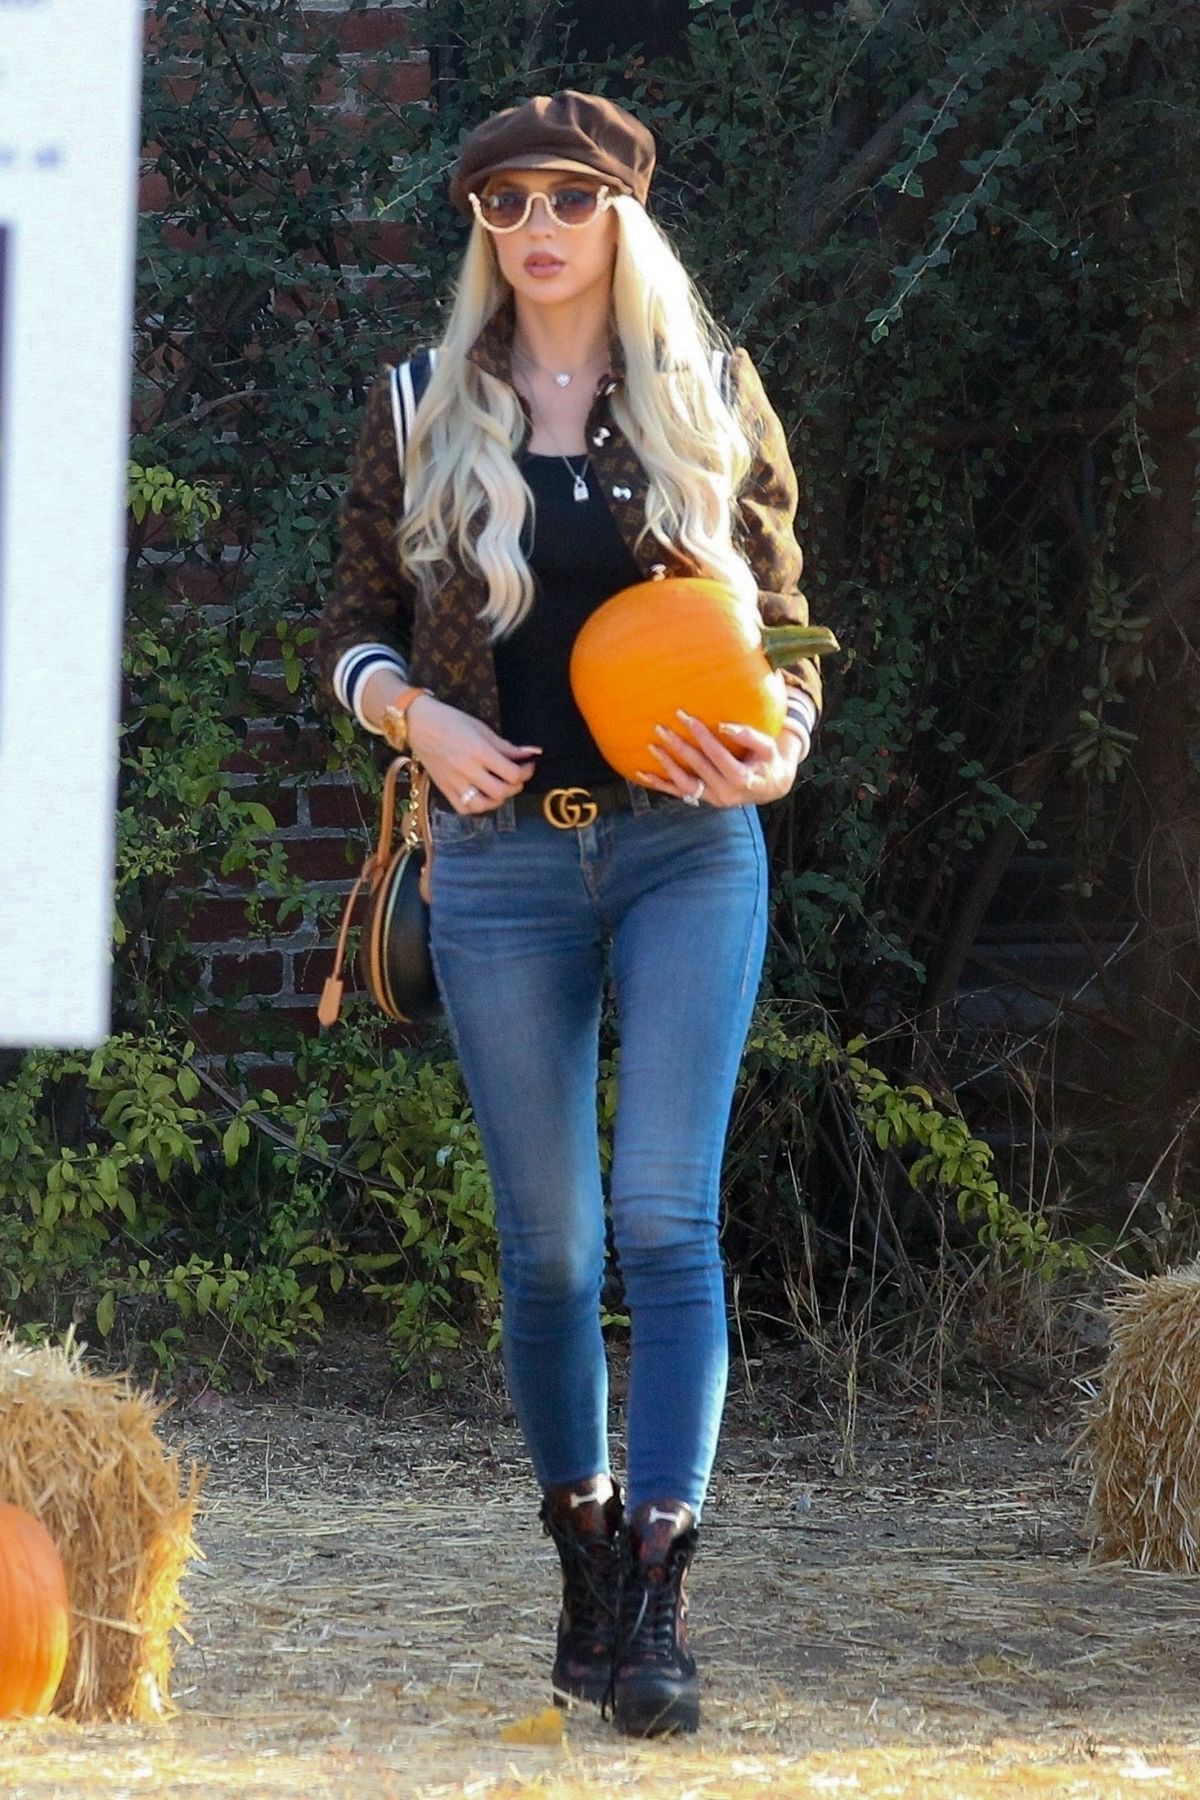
pixel 492 349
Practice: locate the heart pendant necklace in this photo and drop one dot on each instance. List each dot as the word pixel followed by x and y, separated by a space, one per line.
pixel 561 377
pixel 580 491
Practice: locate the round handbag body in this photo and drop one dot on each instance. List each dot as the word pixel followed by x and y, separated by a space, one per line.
pixel 394 960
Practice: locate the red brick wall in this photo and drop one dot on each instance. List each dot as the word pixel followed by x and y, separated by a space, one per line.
pixel 322 824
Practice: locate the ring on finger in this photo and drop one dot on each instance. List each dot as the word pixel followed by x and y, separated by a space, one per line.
pixel 695 799
pixel 468 794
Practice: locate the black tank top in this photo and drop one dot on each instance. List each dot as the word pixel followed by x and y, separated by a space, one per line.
pixel 578 559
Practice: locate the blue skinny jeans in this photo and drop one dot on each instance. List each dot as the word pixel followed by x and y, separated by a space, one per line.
pixel 524 918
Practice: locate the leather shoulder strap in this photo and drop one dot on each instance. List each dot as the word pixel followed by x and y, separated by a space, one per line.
pixel 373 871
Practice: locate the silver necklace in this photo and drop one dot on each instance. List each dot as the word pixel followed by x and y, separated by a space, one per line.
pixel 580 490
pixel 561 377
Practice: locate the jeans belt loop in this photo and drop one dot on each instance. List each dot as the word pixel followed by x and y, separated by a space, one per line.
pixel 505 816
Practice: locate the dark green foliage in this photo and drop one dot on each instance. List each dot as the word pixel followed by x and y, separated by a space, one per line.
pixel 960 245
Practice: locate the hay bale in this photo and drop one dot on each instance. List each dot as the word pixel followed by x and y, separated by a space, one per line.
pixel 1144 1432
pixel 80 1451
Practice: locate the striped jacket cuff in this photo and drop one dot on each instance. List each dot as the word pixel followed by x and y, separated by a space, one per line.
pixel 801 717
pixel 355 668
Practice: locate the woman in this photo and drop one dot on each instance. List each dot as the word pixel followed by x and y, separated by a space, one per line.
pixel 582 430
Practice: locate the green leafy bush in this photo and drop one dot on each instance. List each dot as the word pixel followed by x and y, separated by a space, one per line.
pixel 966 270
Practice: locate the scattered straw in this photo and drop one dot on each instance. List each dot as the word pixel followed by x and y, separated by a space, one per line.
pixel 80 1451
pixel 1144 1434
pixel 378 1603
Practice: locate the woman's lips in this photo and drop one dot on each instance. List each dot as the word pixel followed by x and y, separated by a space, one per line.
pixel 544 265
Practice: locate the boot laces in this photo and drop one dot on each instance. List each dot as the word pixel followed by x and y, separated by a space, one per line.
pixel 651 1634
pixel 590 1588
pixel 651 1611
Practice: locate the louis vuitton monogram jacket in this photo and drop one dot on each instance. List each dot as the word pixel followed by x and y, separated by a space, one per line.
pixel 445 646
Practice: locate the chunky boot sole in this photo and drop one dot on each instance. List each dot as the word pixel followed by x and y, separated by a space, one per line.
pixel 649 1705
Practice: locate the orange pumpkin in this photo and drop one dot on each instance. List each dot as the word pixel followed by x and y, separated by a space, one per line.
pixel 34 1615
pixel 683 642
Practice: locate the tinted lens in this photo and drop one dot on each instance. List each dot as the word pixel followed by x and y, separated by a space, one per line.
pixel 574 206
pixel 505 210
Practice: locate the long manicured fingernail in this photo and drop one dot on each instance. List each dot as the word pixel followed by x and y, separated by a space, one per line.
pixel 644 776
pixel 686 717
pixel 655 751
pixel 663 732
pixel 729 728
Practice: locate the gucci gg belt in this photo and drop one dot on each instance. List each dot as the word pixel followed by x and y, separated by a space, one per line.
pixel 568 808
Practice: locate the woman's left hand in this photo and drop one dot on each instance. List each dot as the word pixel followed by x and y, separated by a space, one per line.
pixel 758 768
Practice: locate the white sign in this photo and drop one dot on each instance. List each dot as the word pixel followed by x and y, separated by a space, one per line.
pixel 69 72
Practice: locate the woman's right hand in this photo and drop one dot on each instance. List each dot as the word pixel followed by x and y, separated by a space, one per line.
pixel 474 767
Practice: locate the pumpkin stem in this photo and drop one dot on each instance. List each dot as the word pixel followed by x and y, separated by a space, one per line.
pixel 784 644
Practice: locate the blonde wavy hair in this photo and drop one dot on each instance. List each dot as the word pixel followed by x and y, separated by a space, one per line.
pixel 465 497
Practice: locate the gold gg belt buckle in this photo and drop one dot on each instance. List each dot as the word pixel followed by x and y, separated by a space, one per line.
pixel 568 807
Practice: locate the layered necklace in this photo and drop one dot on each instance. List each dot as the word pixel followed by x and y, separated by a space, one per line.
pixel 562 379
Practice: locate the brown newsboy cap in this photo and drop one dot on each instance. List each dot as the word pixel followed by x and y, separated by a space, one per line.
pixel 576 131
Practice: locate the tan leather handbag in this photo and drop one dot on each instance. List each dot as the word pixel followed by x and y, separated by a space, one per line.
pixel 393 959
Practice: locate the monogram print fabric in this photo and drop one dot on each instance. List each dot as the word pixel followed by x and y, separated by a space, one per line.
pixel 446 644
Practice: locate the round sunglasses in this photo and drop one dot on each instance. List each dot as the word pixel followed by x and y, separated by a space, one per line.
pixel 509 209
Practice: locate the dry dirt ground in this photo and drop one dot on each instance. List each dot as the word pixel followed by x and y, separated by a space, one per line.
pixel 904 1609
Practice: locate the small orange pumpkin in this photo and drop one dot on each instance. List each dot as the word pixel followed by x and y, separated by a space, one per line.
pixel 34 1615
pixel 682 642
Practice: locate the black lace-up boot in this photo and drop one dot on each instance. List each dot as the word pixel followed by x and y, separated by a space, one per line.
pixel 655 1687
pixel 588 1534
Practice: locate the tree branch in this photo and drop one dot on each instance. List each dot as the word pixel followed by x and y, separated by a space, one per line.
pixel 1030 778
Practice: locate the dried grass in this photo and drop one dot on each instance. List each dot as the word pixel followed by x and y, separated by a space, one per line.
pixel 377 1607
pixel 50 1763
pixel 1144 1434
pixel 81 1452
